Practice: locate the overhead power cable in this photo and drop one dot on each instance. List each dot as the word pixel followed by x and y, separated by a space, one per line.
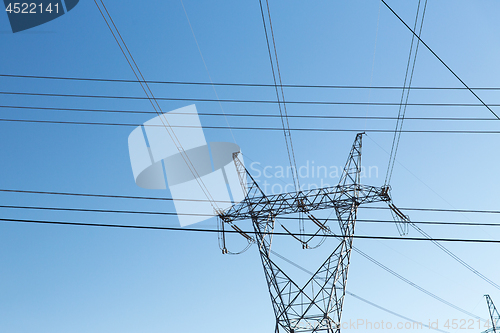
pixel 392 312
pixel 124 226
pixel 206 68
pixel 161 213
pixel 349 293
pixel 114 196
pixel 405 93
pixel 246 115
pixel 482 102
pixel 151 98
pixel 168 213
pixel 419 288
pixel 257 101
pixel 235 84
pixel 448 210
pixel 399 124
pixel 440 60
pixel 393 273
pixel 93 195
pixel 455 257
pixel 257 128
pixel 209 230
pixel 281 100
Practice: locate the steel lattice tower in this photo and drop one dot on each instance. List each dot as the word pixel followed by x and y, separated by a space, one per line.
pixel 495 317
pixel 317 305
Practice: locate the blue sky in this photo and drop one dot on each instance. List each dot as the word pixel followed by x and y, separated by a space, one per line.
pixel 88 279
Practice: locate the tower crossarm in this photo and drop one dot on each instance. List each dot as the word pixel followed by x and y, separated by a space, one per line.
pixel 340 196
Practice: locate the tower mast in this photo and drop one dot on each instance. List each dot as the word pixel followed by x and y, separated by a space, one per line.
pixel 494 316
pixel 317 305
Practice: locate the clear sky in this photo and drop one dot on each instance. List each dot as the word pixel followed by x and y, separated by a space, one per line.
pixel 78 279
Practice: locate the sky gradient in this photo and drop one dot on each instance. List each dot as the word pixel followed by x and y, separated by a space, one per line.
pixel 78 279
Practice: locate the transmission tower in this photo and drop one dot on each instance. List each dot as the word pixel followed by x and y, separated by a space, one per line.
pixel 317 305
pixel 495 317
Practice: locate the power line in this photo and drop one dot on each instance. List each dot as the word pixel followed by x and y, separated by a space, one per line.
pixel 261 101
pixel 390 271
pixel 168 228
pixel 462 262
pixel 250 115
pixel 257 128
pixel 441 60
pixel 289 129
pixel 405 91
pixel 91 210
pixel 234 84
pixel 283 112
pixel 442 210
pixel 416 286
pixel 440 246
pixel 209 230
pixel 114 196
pixel 154 102
pixel 124 226
pixel 399 125
pixel 470 224
pixel 392 312
pixel 206 68
pixel 149 212
pixel 455 257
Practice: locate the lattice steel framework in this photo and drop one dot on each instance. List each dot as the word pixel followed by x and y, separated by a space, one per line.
pixel 494 316
pixel 317 305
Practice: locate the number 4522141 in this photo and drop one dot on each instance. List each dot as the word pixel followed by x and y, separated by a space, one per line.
pixel 31 8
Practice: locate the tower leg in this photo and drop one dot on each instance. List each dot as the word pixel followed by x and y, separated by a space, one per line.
pixel 315 307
